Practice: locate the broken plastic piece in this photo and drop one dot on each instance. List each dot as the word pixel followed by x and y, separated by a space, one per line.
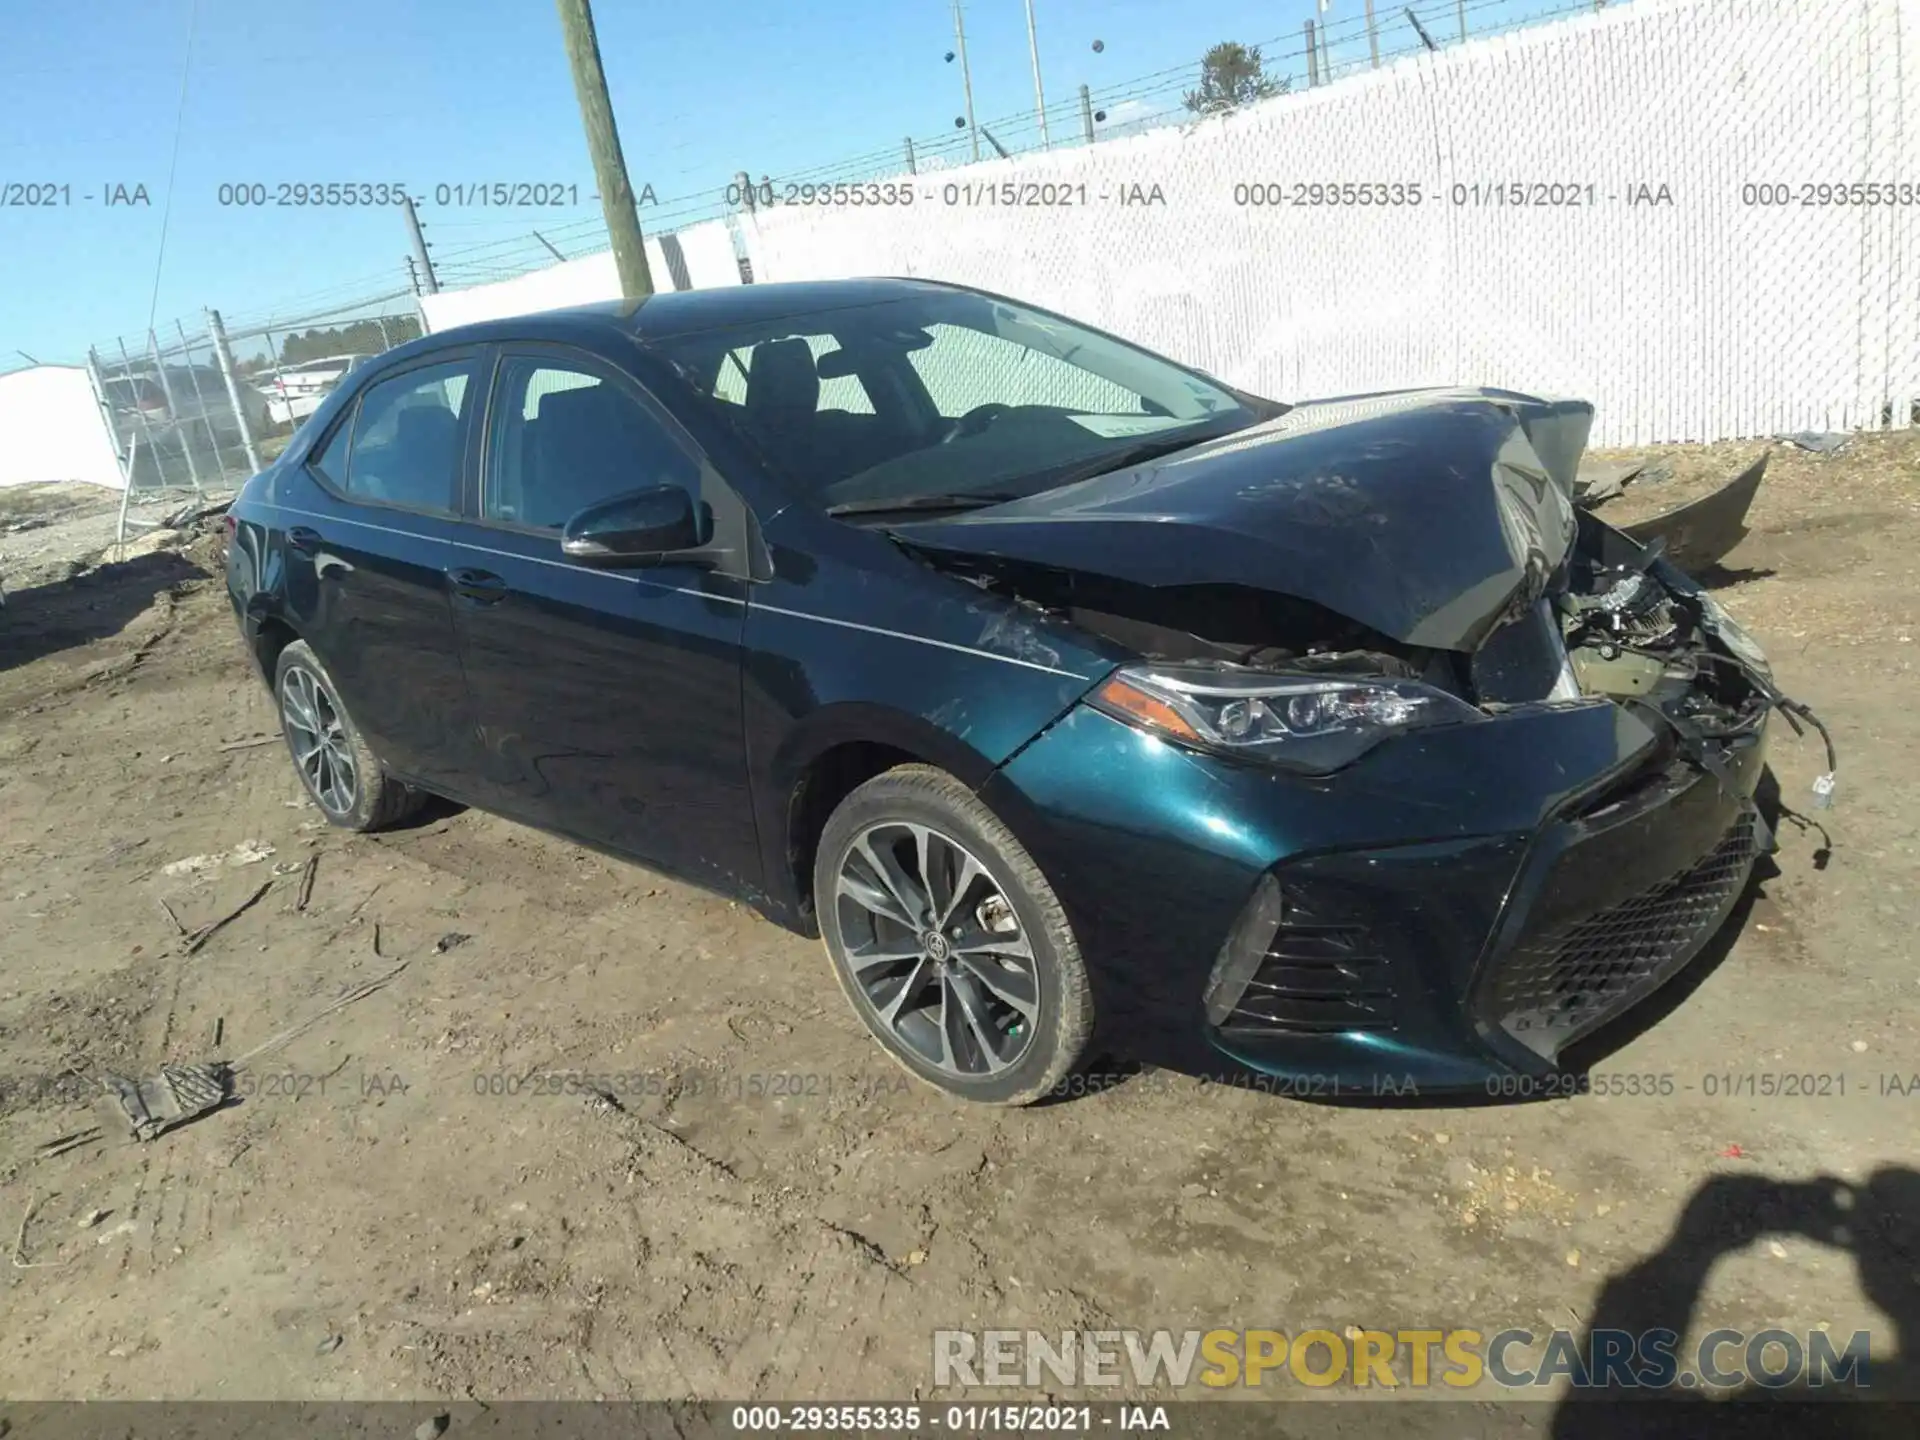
pixel 1823 792
pixel 1700 534
pixel 179 1093
pixel 1819 442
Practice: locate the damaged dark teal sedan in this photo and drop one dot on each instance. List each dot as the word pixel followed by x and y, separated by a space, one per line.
pixel 1083 705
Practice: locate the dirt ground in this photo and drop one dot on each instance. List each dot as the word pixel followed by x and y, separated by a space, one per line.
pixel 377 1217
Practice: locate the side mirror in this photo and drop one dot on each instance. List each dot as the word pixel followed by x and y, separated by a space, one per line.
pixel 642 527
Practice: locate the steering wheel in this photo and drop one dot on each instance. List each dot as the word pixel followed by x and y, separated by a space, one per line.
pixel 976 420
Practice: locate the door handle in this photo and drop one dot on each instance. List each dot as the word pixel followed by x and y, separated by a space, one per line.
pixel 483 587
pixel 304 539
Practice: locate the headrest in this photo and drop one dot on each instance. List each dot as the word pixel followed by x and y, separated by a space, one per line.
pixel 782 379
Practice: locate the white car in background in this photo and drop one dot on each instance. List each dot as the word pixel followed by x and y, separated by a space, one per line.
pixel 295 393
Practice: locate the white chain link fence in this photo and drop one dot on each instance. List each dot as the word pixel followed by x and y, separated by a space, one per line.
pixel 1714 233
pixel 198 409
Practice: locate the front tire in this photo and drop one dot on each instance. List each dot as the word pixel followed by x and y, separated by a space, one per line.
pixel 341 775
pixel 948 940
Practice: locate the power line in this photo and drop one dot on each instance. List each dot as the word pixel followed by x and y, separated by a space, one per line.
pixel 173 164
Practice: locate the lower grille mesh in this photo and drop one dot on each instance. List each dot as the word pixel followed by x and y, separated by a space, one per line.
pixel 1566 981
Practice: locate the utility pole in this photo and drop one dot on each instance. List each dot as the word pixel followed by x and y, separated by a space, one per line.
pixel 1373 37
pixel 425 279
pixel 966 75
pixel 1313 55
pixel 603 143
pixel 1086 112
pixel 1039 95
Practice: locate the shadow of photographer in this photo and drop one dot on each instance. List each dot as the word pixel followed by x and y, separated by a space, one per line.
pixel 1877 1222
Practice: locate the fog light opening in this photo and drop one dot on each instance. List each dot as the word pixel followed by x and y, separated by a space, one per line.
pixel 1246 946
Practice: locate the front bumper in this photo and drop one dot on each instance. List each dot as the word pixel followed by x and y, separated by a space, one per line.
pixel 1458 908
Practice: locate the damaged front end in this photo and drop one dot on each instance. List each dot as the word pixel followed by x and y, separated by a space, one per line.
pixel 1523 755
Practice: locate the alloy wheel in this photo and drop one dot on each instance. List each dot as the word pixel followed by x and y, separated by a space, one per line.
pixel 317 734
pixel 937 949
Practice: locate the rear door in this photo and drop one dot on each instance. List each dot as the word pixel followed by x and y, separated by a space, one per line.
pixel 609 701
pixel 368 552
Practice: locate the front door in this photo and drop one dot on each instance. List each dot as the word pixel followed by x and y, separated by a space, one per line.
pixel 609 701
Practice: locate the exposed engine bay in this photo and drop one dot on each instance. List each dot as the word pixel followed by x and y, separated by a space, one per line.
pixel 1617 622
pixel 1436 539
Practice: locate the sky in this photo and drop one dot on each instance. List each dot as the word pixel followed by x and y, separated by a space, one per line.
pixel 431 92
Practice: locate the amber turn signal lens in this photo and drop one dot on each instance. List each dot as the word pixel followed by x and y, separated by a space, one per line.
pixel 1149 710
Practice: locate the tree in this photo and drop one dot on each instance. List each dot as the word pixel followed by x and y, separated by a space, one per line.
pixel 357 337
pixel 1232 75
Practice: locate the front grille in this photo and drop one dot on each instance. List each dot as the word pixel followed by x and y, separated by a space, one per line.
pixel 1315 979
pixel 1561 983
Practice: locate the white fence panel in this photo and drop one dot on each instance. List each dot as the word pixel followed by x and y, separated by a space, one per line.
pixel 51 429
pixel 694 259
pixel 1668 296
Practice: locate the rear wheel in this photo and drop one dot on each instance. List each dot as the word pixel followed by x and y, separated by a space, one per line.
pixel 341 775
pixel 948 940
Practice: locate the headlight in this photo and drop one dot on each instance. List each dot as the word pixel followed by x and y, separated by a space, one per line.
pixel 1315 723
pixel 1729 632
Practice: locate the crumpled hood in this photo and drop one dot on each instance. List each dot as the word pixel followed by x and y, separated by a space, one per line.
pixel 1430 516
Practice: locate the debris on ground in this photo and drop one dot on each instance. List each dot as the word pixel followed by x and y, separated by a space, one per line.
pixel 208 931
pixel 179 1093
pixel 196 511
pixel 448 941
pixel 61 1144
pixel 1818 442
pixel 20 1261
pixel 249 743
pixel 305 892
pixel 247 852
pixel 150 543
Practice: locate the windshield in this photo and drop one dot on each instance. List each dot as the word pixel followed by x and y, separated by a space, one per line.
pixel 944 394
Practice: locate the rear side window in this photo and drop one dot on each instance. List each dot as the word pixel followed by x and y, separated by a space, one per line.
pixel 404 445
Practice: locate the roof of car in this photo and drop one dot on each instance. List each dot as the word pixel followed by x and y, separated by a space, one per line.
pixel 686 312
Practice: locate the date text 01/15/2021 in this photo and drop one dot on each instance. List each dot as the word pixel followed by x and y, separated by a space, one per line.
pixel 60 195
pixel 964 1419
pixel 365 194
pixel 1480 195
pixel 692 1081
pixel 974 194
